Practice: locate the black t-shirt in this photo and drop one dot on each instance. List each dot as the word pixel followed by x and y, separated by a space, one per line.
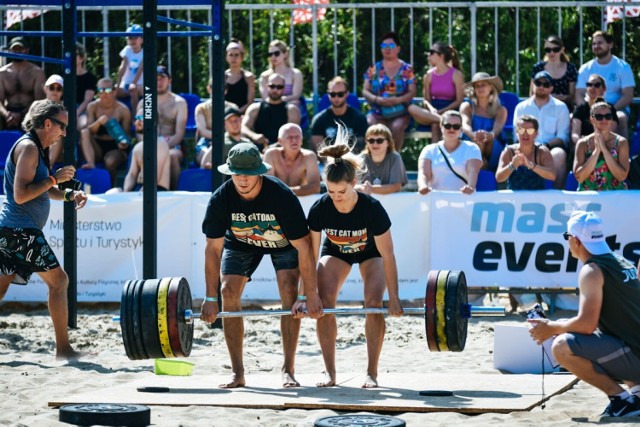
pixel 352 232
pixel 264 224
pixel 85 82
pixel 324 123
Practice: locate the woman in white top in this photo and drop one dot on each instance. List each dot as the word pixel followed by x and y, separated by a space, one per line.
pixel 452 164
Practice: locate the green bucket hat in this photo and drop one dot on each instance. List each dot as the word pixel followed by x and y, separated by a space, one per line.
pixel 244 159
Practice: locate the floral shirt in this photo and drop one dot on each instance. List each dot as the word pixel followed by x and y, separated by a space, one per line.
pixel 601 179
pixel 385 86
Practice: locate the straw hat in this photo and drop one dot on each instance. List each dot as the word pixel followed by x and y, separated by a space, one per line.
pixel 494 81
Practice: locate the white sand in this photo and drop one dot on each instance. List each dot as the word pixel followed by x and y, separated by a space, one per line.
pixel 30 376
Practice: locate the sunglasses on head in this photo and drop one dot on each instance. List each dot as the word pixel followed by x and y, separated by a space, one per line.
pixel 105 90
pixel 278 87
pixel 55 88
pixel 376 140
pixel 452 126
pixel 542 83
pixel 594 84
pixel 522 131
pixel 387 45
pixel 275 53
pixel 600 117
pixel 552 49
pixel 566 235
pixel 63 126
pixel 338 94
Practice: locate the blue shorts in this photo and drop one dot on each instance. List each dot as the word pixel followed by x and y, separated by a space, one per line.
pixel 609 354
pixel 244 263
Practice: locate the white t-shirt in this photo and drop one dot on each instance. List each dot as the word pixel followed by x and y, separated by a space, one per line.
pixel 441 176
pixel 134 62
pixel 617 74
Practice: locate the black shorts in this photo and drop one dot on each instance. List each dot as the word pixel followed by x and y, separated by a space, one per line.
pixel 244 263
pixel 354 258
pixel 24 251
pixel 107 145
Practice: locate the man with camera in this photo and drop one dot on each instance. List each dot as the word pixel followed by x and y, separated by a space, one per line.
pixel 29 186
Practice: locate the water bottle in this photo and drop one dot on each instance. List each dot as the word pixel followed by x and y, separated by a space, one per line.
pixel 115 130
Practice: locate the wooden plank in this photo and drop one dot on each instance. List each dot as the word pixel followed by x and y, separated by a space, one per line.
pixel 472 393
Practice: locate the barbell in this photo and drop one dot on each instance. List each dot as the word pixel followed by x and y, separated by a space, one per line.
pixel 157 321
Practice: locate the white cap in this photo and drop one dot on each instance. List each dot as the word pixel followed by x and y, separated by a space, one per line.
pixel 54 78
pixel 587 227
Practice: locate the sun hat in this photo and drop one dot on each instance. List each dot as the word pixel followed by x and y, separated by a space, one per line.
pixel 587 227
pixel 244 159
pixel 481 76
pixel 543 75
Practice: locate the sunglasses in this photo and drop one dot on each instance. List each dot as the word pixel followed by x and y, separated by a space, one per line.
pixel 433 52
pixel 278 87
pixel 105 89
pixel 387 45
pixel 275 53
pixel 63 126
pixel 55 88
pixel 452 126
pixel 544 84
pixel 566 235
pixel 376 140
pixel 600 117
pixel 594 84
pixel 529 131
pixel 338 94
pixel 552 49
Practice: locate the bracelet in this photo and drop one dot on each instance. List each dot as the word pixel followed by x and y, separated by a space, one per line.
pixel 67 196
pixel 211 299
pixel 511 167
pixel 302 297
pixel 53 179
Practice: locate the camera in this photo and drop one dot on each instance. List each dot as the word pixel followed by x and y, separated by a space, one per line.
pixel 536 312
pixel 72 184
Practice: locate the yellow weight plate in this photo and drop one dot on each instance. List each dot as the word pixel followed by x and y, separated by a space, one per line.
pixel 163 326
pixel 441 321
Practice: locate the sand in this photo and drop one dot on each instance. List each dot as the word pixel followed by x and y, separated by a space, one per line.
pixel 30 376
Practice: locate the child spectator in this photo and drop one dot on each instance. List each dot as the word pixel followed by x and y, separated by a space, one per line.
pixel 129 81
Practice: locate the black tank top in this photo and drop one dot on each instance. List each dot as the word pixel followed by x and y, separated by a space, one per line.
pixel 237 92
pixel 270 118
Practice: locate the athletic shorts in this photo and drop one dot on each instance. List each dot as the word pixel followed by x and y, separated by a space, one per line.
pixel 244 263
pixel 354 258
pixel 609 354
pixel 24 251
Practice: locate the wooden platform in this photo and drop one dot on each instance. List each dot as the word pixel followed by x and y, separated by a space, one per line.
pixel 475 393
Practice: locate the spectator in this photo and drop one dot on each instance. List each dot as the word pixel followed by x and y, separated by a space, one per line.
pixel 553 116
pixel 53 89
pixel 280 63
pixel 564 73
pixel 240 86
pixel 324 126
pixel 620 80
pixel 97 142
pixel 297 167
pixel 526 165
pixel 443 87
pixel 232 136
pixel 602 158
pixel 483 117
pixel 172 121
pixel 135 175
pixel 451 164
pixel 385 172
pixel 130 74
pixel 21 83
pixel 262 121
pixel 389 87
pixel 86 84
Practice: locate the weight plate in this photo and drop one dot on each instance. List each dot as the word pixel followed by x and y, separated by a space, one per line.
pixel 172 317
pixel 137 349
pixel 125 317
pixel 149 318
pixel 441 321
pixel 430 310
pixel 153 389
pixel 105 414
pixel 184 302
pixel 359 420
pixel 163 328
pixel 455 298
pixel 138 326
pixel 436 393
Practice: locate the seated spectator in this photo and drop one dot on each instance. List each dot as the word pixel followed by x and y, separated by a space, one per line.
pixel 526 165
pixel 130 74
pixel 135 176
pixel 85 86
pixel 389 87
pixel 553 117
pixel 451 164
pixel 385 172
pixel 297 167
pixel 240 88
pixel 280 63
pixel 483 117
pixel 556 62
pixel 619 76
pixel 21 83
pixel 53 89
pixel 232 136
pixel 97 141
pixel 602 158
pixel 443 86
pixel 263 120
pixel 324 126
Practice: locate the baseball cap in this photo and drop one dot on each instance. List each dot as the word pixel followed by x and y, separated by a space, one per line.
pixel 543 75
pixel 244 159
pixel 134 28
pixel 54 79
pixel 231 112
pixel 162 69
pixel 587 227
pixel 17 41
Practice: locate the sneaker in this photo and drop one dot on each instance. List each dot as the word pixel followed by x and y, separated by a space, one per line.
pixel 622 407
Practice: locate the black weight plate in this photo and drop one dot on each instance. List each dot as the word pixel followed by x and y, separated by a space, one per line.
pixel 185 302
pixel 149 319
pixel 137 320
pixel 360 421
pixel 105 414
pixel 153 389
pixel 124 318
pixel 456 297
pixel 436 393
pixel 137 349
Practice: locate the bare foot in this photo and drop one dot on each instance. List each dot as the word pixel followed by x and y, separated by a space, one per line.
pixel 329 380
pixel 370 382
pixel 68 354
pixel 236 381
pixel 288 381
pixel 88 166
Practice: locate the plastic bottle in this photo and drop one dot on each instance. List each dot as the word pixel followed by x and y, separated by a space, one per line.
pixel 115 130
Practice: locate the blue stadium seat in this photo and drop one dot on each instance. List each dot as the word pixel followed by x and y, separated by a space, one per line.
pixel 486 181
pixel 571 183
pixel 634 147
pixel 304 114
pixel 352 100
pixel 96 180
pixel 509 100
pixel 7 139
pixel 195 180
pixel 192 102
